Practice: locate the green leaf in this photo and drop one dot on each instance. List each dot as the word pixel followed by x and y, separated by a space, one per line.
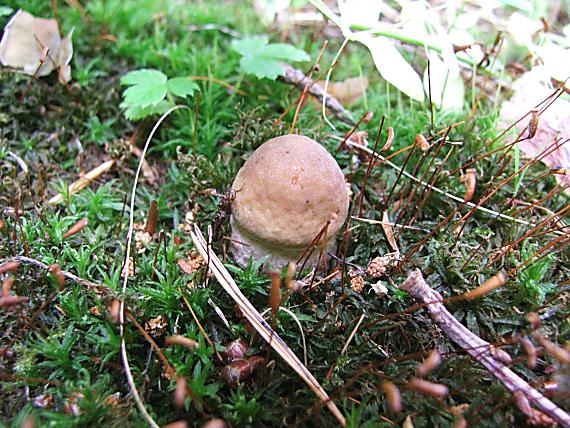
pixel 144 95
pixel 144 77
pixel 138 112
pixel 283 51
pixel 181 86
pixel 148 87
pixel 249 44
pixel 261 68
pixel 5 10
pixel 264 60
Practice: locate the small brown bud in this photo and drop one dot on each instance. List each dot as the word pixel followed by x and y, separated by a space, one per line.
pixel 7 285
pixel 11 266
pixel 182 341
pixel 432 361
pixel 428 388
pixel 389 140
pixel 152 219
pixel 470 184
pixel 530 352
pixel 114 311
pixel 275 293
pixel 421 141
pixel 180 392
pixel 76 228
pixel 55 270
pixel 532 124
pixel 489 285
pixel 393 396
pixel 368 117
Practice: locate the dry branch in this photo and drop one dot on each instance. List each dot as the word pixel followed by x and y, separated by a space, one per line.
pixel 298 78
pixel 101 290
pixel 84 181
pixel 481 350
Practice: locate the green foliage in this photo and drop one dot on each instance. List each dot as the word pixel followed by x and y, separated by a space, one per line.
pixel 250 279
pixel 198 383
pixel 57 353
pixel 100 132
pixel 264 60
pixel 5 10
pixel 532 286
pixel 241 410
pixel 147 90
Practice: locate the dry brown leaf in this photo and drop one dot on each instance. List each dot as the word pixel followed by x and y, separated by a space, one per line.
pixel 156 326
pixel 24 43
pixel 357 284
pixel 347 91
pixel 389 232
pixel 530 89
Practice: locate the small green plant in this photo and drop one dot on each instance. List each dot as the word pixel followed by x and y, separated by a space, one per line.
pixel 100 132
pixel 532 288
pixel 151 92
pixel 242 411
pixel 251 279
pixel 5 10
pixel 57 354
pixel 264 59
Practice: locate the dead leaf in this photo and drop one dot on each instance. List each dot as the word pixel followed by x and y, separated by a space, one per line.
pixel 156 326
pixel 530 89
pixel 389 232
pixel 25 41
pixel 347 91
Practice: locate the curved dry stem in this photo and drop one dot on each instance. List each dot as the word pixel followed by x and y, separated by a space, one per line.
pixel 327 83
pixel 298 325
pixel 126 264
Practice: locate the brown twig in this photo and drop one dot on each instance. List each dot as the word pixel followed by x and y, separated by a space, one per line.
pixel 478 348
pixel 314 68
pixel 298 78
pixel 97 288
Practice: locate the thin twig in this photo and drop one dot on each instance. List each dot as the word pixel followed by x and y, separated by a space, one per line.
pixel 478 348
pixel 257 321
pixel 298 78
pixel 97 288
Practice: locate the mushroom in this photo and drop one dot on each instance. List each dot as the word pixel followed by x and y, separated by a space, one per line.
pixel 287 193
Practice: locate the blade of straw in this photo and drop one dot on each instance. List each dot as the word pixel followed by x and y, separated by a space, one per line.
pixel 257 321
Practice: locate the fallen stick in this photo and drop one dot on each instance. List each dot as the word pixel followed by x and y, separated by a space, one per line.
pixel 298 78
pixel 99 289
pixel 481 351
pixel 84 181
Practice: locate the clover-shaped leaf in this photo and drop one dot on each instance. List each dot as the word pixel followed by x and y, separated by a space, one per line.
pixel 265 60
pixel 148 89
pixel 181 86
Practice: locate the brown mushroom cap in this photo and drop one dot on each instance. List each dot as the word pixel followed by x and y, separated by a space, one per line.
pixel 285 194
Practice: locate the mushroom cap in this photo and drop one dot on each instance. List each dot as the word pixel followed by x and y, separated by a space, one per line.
pixel 286 192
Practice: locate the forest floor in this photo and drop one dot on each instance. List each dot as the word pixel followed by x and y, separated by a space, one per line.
pixel 60 348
